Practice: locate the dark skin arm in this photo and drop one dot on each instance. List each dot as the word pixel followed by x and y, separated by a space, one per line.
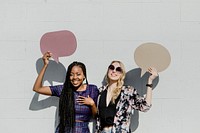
pixel 38 87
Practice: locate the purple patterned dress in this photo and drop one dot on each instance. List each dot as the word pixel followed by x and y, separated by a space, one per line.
pixel 82 112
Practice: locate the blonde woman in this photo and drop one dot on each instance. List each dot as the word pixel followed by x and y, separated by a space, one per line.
pixel 116 101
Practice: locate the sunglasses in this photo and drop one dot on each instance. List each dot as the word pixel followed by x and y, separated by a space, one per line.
pixel 118 69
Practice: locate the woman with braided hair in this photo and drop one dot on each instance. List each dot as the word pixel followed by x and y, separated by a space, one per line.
pixel 77 100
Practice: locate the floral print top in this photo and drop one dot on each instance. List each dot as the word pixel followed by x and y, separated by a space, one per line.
pixel 128 101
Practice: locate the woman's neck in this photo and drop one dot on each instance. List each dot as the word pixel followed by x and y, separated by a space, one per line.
pixel 112 86
pixel 82 87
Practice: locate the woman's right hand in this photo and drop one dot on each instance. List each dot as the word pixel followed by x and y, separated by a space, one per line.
pixel 46 57
pixel 85 100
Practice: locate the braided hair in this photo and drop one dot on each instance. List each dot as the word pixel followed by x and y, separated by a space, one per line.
pixel 66 102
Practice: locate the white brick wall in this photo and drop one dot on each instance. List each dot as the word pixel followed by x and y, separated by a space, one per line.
pixel 105 30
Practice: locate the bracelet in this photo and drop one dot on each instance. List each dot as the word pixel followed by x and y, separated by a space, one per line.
pixel 149 85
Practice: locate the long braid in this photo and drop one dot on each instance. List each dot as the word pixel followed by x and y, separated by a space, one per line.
pixel 66 102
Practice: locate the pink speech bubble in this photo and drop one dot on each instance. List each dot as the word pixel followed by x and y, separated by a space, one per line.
pixel 59 43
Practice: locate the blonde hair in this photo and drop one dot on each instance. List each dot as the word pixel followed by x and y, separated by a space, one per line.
pixel 115 93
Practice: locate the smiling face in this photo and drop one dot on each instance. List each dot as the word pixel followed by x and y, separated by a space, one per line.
pixel 76 76
pixel 115 72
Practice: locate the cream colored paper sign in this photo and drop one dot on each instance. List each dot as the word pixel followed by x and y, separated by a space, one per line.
pixel 152 55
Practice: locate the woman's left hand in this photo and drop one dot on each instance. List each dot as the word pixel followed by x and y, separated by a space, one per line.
pixel 153 73
pixel 85 100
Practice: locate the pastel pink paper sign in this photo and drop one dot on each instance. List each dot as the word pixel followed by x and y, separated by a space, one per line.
pixel 59 43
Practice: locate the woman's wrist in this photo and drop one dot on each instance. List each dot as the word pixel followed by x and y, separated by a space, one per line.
pixel 150 81
pixel 45 65
pixel 149 85
pixel 92 103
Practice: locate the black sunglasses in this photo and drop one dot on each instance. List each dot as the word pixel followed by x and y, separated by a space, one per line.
pixel 118 69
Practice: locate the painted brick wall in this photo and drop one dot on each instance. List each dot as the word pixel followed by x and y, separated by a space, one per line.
pixel 105 30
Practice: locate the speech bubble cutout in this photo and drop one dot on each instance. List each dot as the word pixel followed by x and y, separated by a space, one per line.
pixel 152 55
pixel 59 43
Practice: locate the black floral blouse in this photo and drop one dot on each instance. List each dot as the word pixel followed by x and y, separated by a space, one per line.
pixel 128 101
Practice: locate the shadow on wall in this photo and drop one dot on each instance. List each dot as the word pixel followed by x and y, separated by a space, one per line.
pixel 134 78
pixel 138 81
pixel 55 73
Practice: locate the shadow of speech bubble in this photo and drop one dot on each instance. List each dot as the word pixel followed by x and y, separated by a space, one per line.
pixel 59 43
